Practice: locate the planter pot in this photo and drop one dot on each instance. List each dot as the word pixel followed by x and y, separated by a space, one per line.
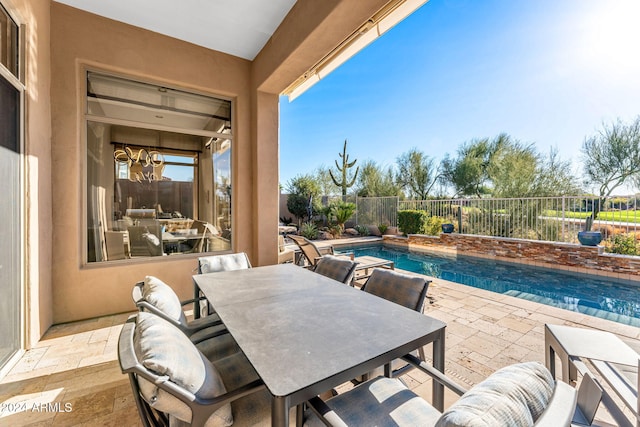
pixel 589 238
pixel 447 228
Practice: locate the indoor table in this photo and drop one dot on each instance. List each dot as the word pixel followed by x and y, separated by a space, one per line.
pixel 305 333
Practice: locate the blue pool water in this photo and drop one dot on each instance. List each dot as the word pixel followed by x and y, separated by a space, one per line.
pixel 601 297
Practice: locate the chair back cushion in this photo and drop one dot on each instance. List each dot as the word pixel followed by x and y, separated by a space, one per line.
pixel 226 262
pixel 309 250
pixel 512 396
pixel 166 351
pixel 337 268
pixel 163 297
pixel 403 289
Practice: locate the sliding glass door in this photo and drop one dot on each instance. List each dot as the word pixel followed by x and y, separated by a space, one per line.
pixel 10 225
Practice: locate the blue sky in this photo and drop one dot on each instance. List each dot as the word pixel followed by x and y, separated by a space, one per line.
pixel 548 72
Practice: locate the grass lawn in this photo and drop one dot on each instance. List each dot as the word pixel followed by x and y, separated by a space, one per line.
pixel 622 216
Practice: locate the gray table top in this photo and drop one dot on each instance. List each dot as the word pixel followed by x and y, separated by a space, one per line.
pixel 594 344
pixel 302 331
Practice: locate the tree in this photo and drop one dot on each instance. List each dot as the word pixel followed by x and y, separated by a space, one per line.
pixel 302 189
pixel 505 167
pixel 611 158
pixel 374 181
pixel 513 168
pixel 416 173
pixel 346 181
pixel 322 176
pixel 468 173
pixel 555 177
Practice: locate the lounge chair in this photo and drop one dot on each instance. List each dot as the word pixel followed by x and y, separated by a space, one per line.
pixel 311 252
pixel 517 395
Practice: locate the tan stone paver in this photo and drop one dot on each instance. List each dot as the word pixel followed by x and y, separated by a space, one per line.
pixel 77 363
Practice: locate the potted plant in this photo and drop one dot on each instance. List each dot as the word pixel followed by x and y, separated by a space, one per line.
pixel 447 228
pixel 588 237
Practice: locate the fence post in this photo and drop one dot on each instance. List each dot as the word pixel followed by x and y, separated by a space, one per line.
pixel 564 230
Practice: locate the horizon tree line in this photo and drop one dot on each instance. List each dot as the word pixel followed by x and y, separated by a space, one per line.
pixel 501 167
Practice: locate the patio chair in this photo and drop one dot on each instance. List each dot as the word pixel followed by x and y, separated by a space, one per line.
pixel 173 383
pixel 285 254
pixel 337 268
pixel 215 264
pixel 523 394
pixel 155 296
pixel 311 252
pixel 408 291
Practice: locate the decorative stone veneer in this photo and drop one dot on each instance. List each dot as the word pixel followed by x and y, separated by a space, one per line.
pixel 564 256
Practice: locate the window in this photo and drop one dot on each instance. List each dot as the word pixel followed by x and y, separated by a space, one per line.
pixel 8 42
pixel 158 170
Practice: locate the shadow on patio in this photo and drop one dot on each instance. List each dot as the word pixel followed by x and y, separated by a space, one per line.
pixel 74 371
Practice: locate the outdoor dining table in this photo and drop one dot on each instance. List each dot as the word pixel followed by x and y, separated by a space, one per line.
pixel 305 333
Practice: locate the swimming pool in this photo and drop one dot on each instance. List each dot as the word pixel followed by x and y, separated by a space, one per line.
pixel 600 297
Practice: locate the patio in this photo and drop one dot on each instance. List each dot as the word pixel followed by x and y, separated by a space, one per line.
pixel 71 377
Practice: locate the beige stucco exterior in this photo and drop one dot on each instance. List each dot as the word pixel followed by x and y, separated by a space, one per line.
pixel 61 44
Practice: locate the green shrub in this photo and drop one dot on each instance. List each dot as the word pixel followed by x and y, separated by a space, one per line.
pixel 340 212
pixel 624 244
pixel 434 225
pixel 309 230
pixel 382 228
pixel 362 230
pixel 412 221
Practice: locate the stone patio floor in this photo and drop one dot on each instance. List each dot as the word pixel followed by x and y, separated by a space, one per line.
pixel 74 368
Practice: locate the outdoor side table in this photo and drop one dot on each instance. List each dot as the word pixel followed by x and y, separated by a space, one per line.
pixel 601 349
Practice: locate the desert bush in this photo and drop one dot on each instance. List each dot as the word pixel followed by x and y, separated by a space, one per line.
pixel 362 230
pixel 434 225
pixel 412 221
pixel 309 230
pixel 382 228
pixel 624 244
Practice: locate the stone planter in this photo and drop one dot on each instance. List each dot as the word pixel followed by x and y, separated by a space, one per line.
pixel 589 238
pixel 447 228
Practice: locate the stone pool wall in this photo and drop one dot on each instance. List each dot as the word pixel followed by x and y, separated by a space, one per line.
pixel 565 256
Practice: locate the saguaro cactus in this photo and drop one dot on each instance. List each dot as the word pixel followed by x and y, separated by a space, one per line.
pixel 346 181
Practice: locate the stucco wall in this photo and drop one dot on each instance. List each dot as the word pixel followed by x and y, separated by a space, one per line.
pixel 80 40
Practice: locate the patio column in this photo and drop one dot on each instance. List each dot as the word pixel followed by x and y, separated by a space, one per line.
pixel 265 178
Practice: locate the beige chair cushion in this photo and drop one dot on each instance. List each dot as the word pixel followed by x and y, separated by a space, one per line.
pixel 163 297
pixel 514 396
pixel 165 350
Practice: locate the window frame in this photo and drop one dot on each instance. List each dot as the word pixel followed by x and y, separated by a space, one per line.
pixel 17 80
pixel 86 118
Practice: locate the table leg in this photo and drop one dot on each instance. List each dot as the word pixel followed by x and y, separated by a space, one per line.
pixel 552 348
pixel 196 299
pixel 280 412
pixel 438 363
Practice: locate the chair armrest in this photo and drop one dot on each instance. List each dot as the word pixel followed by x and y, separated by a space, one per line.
pixel 435 374
pixel 324 413
pixel 561 406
